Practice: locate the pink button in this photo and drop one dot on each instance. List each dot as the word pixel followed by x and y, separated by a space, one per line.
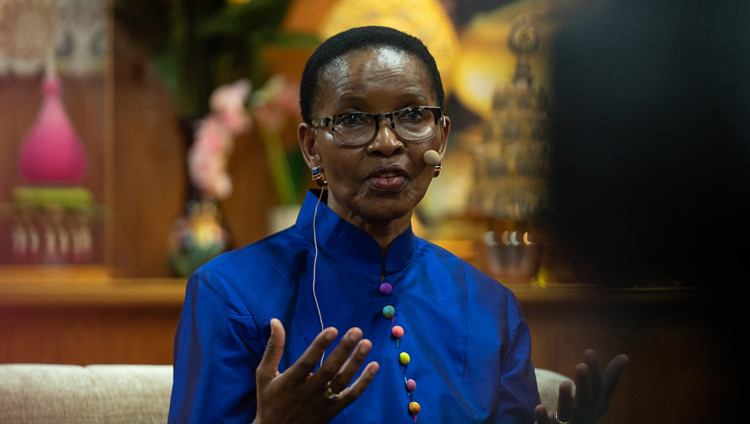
pixel 386 289
pixel 411 385
pixel 397 331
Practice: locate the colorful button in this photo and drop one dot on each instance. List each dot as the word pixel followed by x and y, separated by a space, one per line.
pixel 385 289
pixel 397 331
pixel 404 358
pixel 414 408
pixel 389 311
pixel 411 385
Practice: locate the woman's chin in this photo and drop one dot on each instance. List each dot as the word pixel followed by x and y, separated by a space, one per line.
pixel 387 208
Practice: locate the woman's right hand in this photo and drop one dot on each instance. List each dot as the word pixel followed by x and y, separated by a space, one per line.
pixel 300 396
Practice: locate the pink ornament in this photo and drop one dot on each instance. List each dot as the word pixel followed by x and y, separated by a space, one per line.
pixel 52 151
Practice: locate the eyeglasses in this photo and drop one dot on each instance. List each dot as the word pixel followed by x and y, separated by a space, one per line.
pixel 412 124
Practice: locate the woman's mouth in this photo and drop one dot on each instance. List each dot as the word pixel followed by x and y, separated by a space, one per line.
pixel 391 178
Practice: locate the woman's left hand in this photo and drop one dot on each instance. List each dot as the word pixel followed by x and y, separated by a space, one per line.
pixel 593 392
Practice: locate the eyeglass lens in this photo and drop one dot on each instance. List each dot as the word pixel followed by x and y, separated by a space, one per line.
pixel 410 124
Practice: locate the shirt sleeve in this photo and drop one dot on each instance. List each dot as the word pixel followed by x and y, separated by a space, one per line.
pixel 217 349
pixel 518 379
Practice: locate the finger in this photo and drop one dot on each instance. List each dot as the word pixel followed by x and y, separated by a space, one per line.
pixel 269 363
pixel 301 369
pixel 565 406
pixel 610 377
pixel 333 363
pixel 541 414
pixel 351 393
pixel 595 378
pixel 583 392
pixel 351 366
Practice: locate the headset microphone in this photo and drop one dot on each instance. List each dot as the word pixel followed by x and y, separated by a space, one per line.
pixel 431 158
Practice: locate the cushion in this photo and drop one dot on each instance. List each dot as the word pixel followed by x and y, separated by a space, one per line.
pixel 46 393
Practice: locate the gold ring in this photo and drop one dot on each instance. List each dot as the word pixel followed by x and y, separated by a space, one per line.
pixel 557 420
pixel 330 394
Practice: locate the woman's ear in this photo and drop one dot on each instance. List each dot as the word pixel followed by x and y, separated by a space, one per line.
pixel 306 138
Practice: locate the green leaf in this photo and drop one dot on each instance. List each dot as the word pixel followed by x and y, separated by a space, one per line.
pixel 197 45
pixel 240 19
pixel 296 40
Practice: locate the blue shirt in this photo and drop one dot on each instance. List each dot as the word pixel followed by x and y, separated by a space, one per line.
pixel 464 332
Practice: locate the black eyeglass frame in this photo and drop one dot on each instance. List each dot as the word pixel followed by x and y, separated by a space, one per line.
pixel 327 123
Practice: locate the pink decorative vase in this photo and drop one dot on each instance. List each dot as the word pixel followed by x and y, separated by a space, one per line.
pixel 52 152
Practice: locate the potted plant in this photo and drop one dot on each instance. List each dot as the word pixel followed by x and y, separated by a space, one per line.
pixel 210 55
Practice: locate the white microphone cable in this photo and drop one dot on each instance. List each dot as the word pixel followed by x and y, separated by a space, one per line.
pixel 315 268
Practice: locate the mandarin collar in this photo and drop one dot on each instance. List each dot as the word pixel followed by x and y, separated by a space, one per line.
pixel 343 240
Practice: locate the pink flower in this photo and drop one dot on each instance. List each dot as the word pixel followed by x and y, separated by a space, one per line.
pixel 228 101
pixel 208 156
pixel 272 105
pixel 287 100
pixel 275 102
pixel 214 139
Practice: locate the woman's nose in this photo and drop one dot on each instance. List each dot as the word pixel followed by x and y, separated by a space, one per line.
pixel 385 142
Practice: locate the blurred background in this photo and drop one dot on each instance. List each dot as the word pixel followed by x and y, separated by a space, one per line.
pixel 596 165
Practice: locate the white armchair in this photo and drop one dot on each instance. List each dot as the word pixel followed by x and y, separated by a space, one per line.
pixel 71 394
pixel 548 383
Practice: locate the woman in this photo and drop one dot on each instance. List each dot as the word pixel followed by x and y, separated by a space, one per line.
pixel 446 342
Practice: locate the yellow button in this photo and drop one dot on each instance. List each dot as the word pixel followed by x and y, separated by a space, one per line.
pixel 414 408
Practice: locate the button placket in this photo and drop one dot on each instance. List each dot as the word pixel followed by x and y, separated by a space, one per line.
pixel 397 332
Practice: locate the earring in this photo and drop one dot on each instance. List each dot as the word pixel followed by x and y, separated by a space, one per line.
pixel 317 176
pixel 438 168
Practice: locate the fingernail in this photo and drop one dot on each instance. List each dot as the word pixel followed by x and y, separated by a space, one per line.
pixel 373 367
pixel 330 335
pixel 364 347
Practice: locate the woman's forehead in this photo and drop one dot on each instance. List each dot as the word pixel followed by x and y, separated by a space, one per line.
pixel 385 56
pixel 347 74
